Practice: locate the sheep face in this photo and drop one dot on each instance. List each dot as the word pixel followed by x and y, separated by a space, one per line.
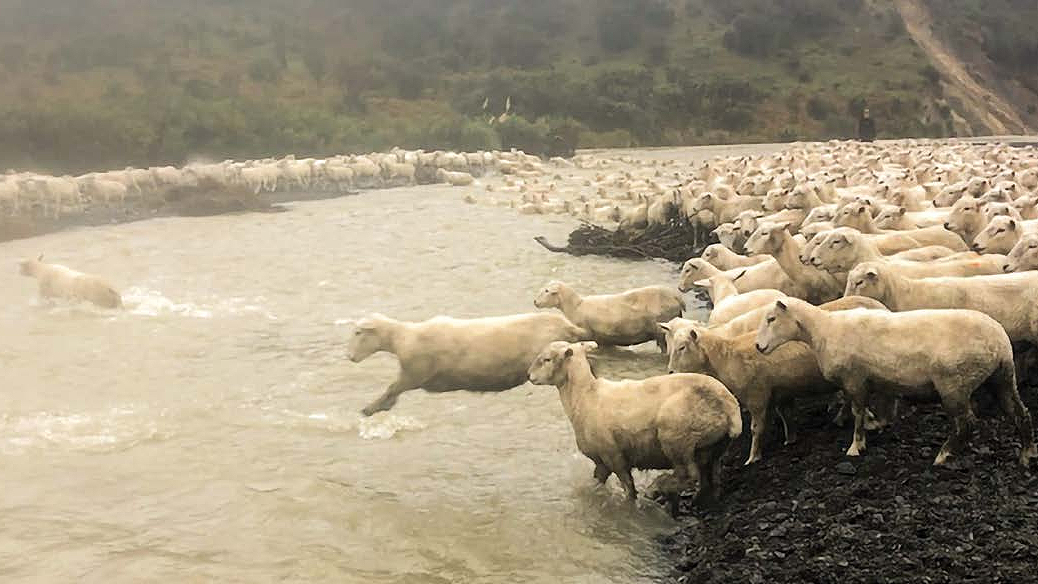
pixel 364 342
pixel 1023 256
pixel 690 272
pixel 775 200
pixel 778 328
pixel 865 280
pixel 965 217
pixel 813 241
pixel 549 368
pixel 711 252
pixel 550 296
pixel 833 253
pixel 29 267
pixel 890 218
pixel 729 236
pixel 798 199
pixel 685 354
pixel 767 239
pixel 999 236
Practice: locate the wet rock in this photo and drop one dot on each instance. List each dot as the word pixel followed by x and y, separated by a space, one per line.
pixel 797 518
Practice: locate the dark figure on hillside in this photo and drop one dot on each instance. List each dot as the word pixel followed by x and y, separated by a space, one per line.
pixel 866 127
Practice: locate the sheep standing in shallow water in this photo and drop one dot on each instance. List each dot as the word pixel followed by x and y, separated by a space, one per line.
pixel 58 281
pixel 682 422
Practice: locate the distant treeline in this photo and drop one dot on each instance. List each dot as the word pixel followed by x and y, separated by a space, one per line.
pixel 108 83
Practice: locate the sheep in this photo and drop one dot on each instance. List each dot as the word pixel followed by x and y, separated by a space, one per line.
pixel 859 218
pixel 456 179
pixel 774 239
pixel 966 218
pixel 1001 234
pixel 58 281
pixel 950 352
pixel 767 274
pixel 1010 299
pixel 842 249
pixel 723 258
pixel 754 379
pixel 682 422
pixel 1023 256
pixel 447 354
pixel 730 236
pixel 726 209
pixel 728 303
pixel 628 318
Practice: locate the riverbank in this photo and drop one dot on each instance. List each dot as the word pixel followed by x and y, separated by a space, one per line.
pixel 807 513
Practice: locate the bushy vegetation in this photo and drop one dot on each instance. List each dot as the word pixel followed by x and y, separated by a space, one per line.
pixel 253 78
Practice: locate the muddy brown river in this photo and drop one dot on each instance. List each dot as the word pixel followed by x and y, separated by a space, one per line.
pixel 210 432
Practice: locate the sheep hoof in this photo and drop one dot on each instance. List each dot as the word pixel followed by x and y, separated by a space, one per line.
pixel 790 440
pixel 751 460
pixel 853 450
pixel 942 457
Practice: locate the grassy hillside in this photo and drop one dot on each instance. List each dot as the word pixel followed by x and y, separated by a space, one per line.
pixel 113 82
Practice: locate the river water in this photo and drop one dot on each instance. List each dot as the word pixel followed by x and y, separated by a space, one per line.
pixel 210 432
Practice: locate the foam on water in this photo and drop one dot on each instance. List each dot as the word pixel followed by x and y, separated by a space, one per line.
pixel 142 301
pixel 115 429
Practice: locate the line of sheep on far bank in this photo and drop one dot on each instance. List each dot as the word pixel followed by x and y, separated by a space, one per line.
pixel 28 193
pixel 864 312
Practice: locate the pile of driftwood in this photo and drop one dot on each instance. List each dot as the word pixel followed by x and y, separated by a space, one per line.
pixel 677 240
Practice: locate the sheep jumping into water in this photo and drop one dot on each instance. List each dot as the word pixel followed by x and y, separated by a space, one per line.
pixel 449 354
pixel 58 281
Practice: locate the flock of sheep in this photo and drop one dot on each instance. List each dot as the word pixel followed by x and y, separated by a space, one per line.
pixel 24 193
pixel 844 268
pixel 869 272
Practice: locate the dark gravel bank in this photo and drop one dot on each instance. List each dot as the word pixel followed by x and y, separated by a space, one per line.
pixel 808 514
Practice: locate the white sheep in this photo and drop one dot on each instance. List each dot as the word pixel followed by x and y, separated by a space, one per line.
pixel 627 318
pixel 1010 299
pixel 950 352
pixel 683 422
pixel 455 179
pixel 447 354
pixel 58 281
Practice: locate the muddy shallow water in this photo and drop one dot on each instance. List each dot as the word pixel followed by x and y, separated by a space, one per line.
pixel 210 432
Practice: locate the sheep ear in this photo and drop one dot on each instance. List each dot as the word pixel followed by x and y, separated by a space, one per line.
pixel 1012 224
pixel 861 209
pixel 901 210
pixel 741 274
pixel 702 283
pixel 781 305
pixel 589 345
pixel 871 274
pixel 568 353
pixel 663 327
pixel 39 258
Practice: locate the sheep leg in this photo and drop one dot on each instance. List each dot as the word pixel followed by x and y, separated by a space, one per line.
pixel 758 422
pixel 958 408
pixel 788 429
pixel 388 399
pixel 858 396
pixel 624 474
pixel 602 473
pixel 1013 406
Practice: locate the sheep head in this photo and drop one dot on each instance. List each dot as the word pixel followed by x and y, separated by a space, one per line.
pixel 549 368
pixel 779 327
pixel 550 296
pixel 366 339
